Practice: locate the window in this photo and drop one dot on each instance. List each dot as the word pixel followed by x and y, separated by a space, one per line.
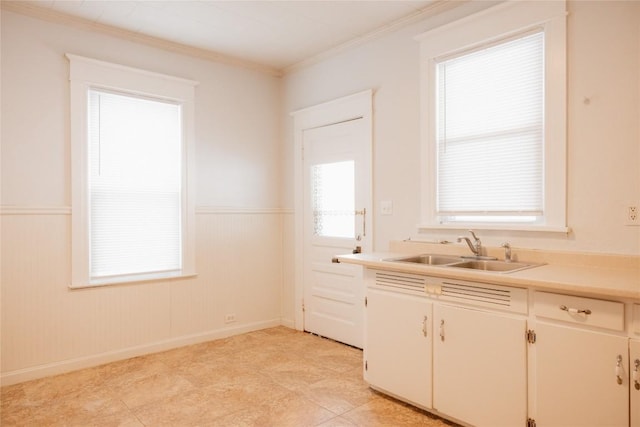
pixel 132 205
pixel 489 133
pixel 134 185
pixel 495 110
pixel 332 199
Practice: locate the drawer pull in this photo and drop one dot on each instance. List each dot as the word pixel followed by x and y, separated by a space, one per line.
pixel 575 310
pixel 619 370
pixel 636 374
pixel 424 326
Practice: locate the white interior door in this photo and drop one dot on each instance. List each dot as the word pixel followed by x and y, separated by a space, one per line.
pixel 336 220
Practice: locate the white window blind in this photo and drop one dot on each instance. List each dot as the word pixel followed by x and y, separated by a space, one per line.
pixel 490 132
pixel 135 184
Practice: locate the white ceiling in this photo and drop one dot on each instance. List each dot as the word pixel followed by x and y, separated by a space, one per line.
pixel 275 34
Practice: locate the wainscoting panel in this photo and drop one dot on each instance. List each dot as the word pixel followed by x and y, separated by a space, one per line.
pixel 48 328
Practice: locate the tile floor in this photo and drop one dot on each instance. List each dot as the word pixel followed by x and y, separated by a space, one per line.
pixel 273 377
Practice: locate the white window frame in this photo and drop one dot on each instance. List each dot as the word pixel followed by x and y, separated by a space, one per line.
pixel 503 21
pixel 85 74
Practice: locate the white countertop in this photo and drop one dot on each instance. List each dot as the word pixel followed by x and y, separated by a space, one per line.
pixel 597 276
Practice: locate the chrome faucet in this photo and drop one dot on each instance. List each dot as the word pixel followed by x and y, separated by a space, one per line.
pixel 476 246
pixel 507 251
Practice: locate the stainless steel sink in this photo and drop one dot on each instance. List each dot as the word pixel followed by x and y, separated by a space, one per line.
pixel 428 259
pixel 496 266
pixel 452 261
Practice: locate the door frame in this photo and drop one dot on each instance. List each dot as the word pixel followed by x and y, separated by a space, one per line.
pixel 356 106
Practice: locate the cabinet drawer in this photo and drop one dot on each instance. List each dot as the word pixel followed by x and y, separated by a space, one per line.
pixel 579 310
pixel 636 319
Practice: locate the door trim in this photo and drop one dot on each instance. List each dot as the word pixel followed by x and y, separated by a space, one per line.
pixel 356 106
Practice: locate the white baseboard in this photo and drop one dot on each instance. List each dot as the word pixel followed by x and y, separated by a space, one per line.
pixel 289 323
pixel 61 367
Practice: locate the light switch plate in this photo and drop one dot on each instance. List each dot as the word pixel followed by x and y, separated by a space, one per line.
pixel 386 207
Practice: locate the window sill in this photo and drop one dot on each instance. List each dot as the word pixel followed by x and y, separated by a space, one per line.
pixel 497 227
pixel 134 279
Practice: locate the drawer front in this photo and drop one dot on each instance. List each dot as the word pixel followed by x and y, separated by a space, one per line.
pixel 636 319
pixel 579 310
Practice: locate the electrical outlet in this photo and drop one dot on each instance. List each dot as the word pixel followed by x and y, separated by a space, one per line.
pixel 229 318
pixel 633 215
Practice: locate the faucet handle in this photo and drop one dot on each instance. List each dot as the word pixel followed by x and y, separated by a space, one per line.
pixel 474 235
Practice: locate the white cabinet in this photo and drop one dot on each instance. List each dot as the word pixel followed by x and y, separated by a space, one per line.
pixel 581 370
pixel 480 367
pixel 576 380
pixel 459 349
pixel 398 345
pixel 634 384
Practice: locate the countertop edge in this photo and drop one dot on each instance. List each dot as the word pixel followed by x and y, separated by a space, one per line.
pixel 530 278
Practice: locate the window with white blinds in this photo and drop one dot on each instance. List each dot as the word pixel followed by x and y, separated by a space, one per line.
pixel 132 174
pixel 135 180
pixel 494 116
pixel 490 135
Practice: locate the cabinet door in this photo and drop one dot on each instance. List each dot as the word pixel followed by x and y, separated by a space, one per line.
pixel 634 352
pixel 398 345
pixel 576 382
pixel 480 367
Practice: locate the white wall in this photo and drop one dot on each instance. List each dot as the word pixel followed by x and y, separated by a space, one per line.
pixel 46 327
pixel 603 140
pixel 243 165
pixel 603 136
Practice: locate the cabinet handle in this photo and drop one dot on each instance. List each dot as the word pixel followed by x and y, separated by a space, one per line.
pixel 636 374
pixel 424 326
pixel 442 330
pixel 575 310
pixel 619 370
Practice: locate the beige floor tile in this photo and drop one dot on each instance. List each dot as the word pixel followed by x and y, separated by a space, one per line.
pixel 152 389
pixel 202 374
pixel 291 411
pixel 196 407
pixel 296 374
pixel 73 409
pixel 126 372
pixel 274 377
pixel 250 389
pixel 385 411
pixel 337 422
pixel 339 395
pixel 122 419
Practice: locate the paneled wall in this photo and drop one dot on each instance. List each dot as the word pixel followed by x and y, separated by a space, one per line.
pixel 48 328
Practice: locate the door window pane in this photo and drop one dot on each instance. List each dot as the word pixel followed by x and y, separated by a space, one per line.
pixel 332 199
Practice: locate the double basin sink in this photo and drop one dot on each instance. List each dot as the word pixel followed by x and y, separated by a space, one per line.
pixel 472 263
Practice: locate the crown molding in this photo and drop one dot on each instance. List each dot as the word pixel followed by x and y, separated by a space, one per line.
pixel 56 17
pixel 50 15
pixel 435 8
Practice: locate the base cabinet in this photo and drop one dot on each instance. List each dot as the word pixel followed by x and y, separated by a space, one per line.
pixel 490 355
pixel 480 367
pixel 398 345
pixel 576 377
pixel 634 384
